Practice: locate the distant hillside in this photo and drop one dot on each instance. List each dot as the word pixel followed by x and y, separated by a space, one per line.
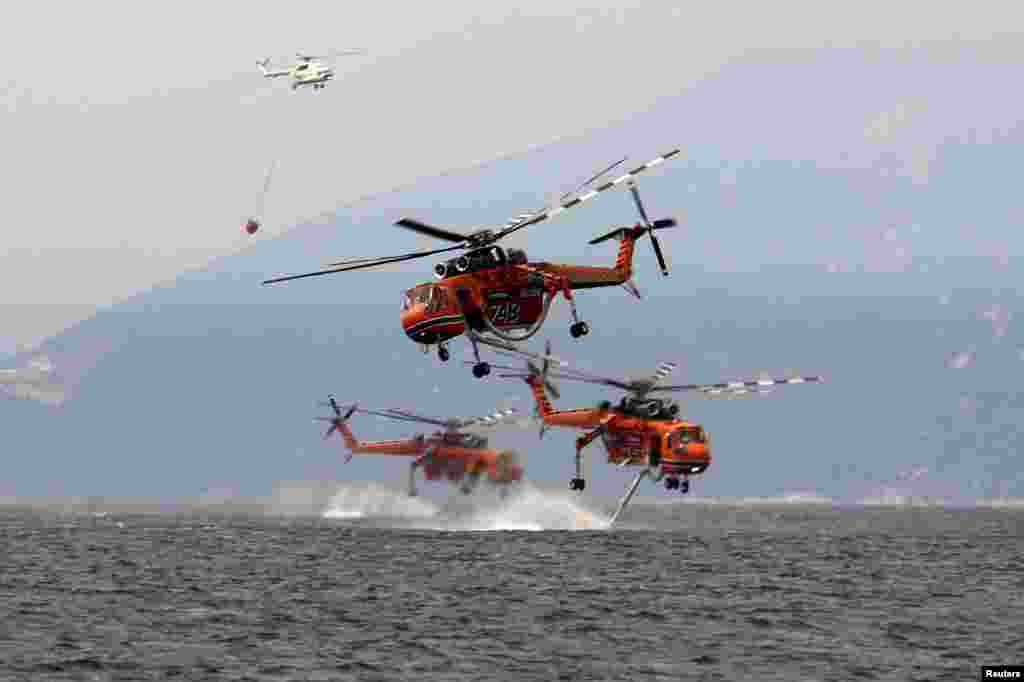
pixel 222 395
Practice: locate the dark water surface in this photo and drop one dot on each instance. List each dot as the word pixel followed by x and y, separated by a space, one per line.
pixel 681 591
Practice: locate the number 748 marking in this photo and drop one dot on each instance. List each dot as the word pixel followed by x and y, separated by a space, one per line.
pixel 507 313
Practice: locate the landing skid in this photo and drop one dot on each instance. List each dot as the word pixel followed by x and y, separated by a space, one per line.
pixel 481 368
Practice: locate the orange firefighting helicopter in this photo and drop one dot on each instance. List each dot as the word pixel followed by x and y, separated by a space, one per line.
pixel 449 453
pixel 490 290
pixel 640 430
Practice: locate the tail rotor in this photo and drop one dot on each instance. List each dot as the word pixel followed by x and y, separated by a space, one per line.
pixel 651 227
pixel 542 373
pixel 338 419
pixel 647 227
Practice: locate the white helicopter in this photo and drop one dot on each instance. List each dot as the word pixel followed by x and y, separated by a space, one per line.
pixel 308 70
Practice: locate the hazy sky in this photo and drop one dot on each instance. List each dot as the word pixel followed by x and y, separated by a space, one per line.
pixel 136 136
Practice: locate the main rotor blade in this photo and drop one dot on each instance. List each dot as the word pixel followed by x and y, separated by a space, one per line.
pixel 541 217
pixel 498 417
pixel 405 414
pixel 504 348
pixel 348 52
pixel 398 417
pixel 711 389
pixel 471 363
pixel 614 383
pixel 430 230
pixel 352 409
pixel 354 261
pixel 593 177
pixel 664 369
pixel 382 261
pixel 563 370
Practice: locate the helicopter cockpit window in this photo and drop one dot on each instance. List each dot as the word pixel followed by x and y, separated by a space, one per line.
pixel 438 299
pixel 687 435
pixel 406 301
pixel 419 295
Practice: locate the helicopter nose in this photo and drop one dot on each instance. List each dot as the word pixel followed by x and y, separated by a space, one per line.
pixel 416 324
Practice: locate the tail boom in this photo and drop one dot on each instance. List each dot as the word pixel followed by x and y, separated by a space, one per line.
pixel 379 447
pixel 586 418
pixel 591 277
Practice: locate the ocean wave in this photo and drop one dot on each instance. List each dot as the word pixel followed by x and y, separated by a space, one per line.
pixel 788 498
pixel 900 497
pixel 1001 503
pixel 371 500
pixel 531 509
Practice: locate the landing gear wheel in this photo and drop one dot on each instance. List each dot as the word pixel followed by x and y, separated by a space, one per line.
pixel 579 329
pixel 481 369
pixel 443 353
pixel 577 484
pixel 671 483
pixel 684 487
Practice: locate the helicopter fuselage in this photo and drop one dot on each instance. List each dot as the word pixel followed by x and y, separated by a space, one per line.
pixel 311 73
pixel 639 431
pixel 502 285
pixel 445 455
pixel 679 448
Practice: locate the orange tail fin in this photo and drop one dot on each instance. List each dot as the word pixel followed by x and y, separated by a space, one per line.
pixel 346 433
pixel 624 258
pixel 627 237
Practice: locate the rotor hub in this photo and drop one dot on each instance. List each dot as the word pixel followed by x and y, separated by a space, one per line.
pixel 649 408
pixel 481 238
